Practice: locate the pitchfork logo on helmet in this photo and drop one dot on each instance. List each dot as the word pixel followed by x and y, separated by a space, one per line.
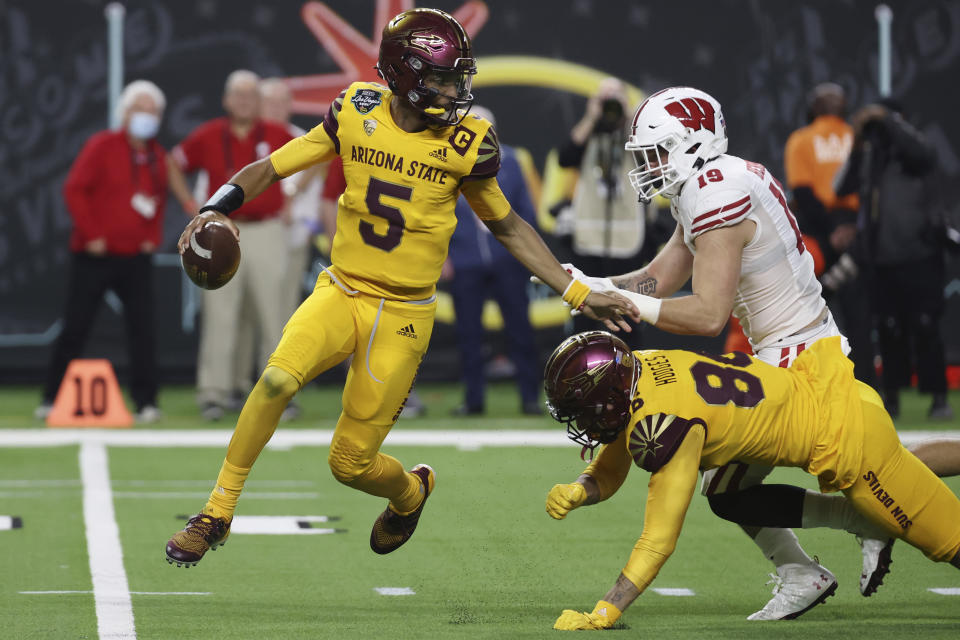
pixel 589 381
pixel 425 41
pixel 674 132
pixel 428 44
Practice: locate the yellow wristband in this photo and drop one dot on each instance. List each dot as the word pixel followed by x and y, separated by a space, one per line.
pixel 607 610
pixel 575 293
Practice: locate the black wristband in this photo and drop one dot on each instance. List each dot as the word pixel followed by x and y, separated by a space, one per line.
pixel 226 200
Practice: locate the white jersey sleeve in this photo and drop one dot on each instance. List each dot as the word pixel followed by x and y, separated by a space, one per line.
pixel 778 294
pixel 717 206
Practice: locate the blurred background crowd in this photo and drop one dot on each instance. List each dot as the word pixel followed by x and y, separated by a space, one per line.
pixel 93 194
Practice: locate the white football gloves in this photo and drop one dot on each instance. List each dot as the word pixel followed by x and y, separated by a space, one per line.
pixel 648 306
pixel 601 285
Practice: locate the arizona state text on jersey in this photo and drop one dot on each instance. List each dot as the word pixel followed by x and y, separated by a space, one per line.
pixel 396 216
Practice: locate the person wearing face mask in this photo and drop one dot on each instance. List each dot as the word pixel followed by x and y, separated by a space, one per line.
pixel 220 148
pixel 116 192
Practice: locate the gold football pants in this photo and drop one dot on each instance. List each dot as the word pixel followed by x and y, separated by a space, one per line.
pixel 387 339
pixel 897 491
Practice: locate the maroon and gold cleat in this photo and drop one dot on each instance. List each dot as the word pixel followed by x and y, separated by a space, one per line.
pixel 391 529
pixel 202 532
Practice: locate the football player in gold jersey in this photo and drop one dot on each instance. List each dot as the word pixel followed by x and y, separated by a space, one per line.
pixel 408 151
pixel 673 413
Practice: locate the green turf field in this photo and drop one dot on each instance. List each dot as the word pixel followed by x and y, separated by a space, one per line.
pixel 321 406
pixel 486 562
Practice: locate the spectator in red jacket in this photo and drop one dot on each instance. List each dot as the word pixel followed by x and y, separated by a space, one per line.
pixel 116 192
pixel 220 148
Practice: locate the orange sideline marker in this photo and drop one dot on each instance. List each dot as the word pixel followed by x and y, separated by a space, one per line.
pixel 89 396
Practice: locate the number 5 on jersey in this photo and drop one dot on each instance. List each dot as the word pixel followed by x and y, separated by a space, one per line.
pixel 376 189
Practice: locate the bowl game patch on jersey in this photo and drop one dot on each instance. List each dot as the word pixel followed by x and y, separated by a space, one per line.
pixel 364 100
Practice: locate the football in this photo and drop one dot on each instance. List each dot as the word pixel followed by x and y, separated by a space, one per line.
pixel 212 256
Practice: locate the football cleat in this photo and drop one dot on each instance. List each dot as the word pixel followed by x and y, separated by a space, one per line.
pixel 797 589
pixel 876 564
pixel 391 530
pixel 202 532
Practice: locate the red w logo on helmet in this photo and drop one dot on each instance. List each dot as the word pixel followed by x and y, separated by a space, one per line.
pixel 695 113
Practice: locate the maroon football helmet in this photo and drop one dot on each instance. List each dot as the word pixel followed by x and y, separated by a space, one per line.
pixel 423 44
pixel 589 381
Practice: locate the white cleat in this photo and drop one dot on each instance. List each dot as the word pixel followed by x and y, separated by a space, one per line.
pixel 797 589
pixel 876 564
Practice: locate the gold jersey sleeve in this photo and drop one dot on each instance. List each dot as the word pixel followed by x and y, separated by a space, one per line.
pixel 668 496
pixel 317 145
pixel 486 199
pixel 396 216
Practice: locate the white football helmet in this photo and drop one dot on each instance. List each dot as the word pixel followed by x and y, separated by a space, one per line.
pixel 675 131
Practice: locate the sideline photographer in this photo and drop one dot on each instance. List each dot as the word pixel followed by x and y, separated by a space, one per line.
pixel 893 167
pixel 605 222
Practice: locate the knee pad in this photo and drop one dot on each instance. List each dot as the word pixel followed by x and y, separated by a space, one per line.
pixel 346 460
pixel 279 383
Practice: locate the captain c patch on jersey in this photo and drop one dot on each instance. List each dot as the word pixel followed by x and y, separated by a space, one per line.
pixel 364 100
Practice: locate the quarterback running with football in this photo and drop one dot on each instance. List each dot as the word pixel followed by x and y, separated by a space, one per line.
pixel 409 150
pixel 740 243
pixel 673 413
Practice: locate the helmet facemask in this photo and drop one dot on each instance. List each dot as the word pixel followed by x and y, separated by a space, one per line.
pixel 431 95
pixel 592 396
pixel 593 424
pixel 655 172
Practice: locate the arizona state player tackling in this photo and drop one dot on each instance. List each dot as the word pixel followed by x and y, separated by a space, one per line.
pixel 408 152
pixel 673 413
pixel 740 243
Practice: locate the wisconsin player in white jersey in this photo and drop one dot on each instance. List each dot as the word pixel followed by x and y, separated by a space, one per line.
pixel 739 241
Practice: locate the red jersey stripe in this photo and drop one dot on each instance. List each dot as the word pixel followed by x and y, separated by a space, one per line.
pixel 726 207
pixel 733 216
pixel 784 358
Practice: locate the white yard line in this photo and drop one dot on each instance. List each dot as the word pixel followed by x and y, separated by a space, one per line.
pixel 280 525
pixel 40 483
pixel 71 483
pixel 111 592
pixel 135 593
pixel 203 495
pixel 673 591
pixel 206 483
pixel 468 440
pixel 395 591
